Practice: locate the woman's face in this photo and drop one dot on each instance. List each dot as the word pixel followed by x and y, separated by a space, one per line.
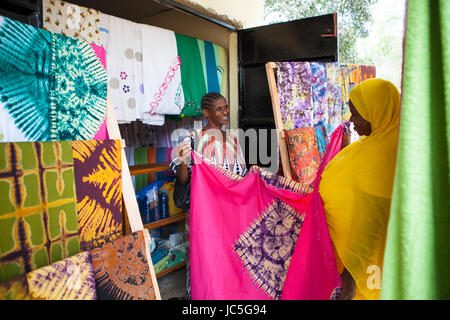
pixel 218 113
pixel 362 126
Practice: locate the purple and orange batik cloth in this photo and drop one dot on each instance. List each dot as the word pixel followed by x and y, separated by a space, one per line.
pixel 264 236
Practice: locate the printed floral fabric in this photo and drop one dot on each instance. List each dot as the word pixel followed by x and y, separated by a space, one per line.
pixel 98 180
pixel 71 20
pixel 38 215
pixel 122 270
pixel 304 154
pixel 52 87
pixel 68 279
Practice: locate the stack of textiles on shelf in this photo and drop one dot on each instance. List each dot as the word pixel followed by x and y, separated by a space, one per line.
pixel 61 224
pixel 313 102
pixel 179 69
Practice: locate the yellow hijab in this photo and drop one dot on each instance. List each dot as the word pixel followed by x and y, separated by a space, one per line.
pixel 356 187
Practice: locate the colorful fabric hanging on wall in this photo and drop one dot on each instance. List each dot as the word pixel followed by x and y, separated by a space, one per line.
pixel 294 92
pixel 122 270
pixel 125 70
pixel 52 87
pixel 68 279
pixel 38 214
pixel 98 180
pixel 334 93
pixel 71 20
pixel 249 233
pixel 368 72
pixel 192 77
pixel 303 154
pixel 350 77
pixel 162 86
pixel 319 92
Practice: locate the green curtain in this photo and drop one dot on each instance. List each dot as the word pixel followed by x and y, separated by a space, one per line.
pixel 417 256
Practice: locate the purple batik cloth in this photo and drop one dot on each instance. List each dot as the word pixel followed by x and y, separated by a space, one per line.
pixel 319 92
pixel 68 279
pixel 294 93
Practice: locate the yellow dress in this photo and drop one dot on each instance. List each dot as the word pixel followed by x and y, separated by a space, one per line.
pixel 356 188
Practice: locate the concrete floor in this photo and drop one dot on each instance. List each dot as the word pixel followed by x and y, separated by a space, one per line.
pixel 173 285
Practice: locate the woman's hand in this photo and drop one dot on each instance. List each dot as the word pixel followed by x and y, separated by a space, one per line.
pixel 183 151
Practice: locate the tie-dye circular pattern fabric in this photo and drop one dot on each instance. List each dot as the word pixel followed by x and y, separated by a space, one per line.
pixel 52 87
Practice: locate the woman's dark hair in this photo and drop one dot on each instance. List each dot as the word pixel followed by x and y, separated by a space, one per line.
pixel 209 98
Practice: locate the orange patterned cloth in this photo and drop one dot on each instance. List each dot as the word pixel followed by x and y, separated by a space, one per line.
pixel 122 270
pixel 304 154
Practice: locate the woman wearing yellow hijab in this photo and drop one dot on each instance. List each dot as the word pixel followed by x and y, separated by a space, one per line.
pixel 356 188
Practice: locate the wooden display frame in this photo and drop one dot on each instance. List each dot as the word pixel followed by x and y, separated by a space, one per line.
pixel 270 71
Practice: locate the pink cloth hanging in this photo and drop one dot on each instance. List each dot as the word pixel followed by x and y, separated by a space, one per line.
pixel 244 231
pixel 102 133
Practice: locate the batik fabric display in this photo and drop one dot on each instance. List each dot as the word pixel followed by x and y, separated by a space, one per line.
pixel 52 87
pixel 249 232
pixel 57 198
pixel 71 20
pixel 98 179
pixel 38 211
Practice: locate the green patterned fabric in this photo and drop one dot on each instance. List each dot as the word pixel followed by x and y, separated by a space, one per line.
pixel 38 206
pixel 52 87
pixel 417 256
pixel 192 76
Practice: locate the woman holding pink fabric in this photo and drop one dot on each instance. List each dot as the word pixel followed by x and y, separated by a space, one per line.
pixel 213 144
pixel 356 188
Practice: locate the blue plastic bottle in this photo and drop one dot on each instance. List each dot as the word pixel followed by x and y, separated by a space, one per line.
pixel 163 205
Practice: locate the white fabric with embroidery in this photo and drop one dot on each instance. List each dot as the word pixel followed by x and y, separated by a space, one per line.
pixel 162 77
